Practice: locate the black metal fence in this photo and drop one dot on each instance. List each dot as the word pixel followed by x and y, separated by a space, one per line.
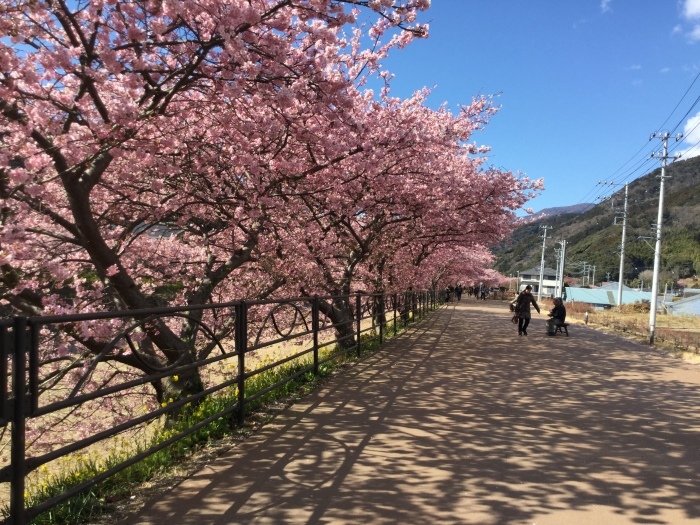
pixel 54 366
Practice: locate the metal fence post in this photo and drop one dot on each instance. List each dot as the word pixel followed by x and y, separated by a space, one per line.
pixel 19 466
pixel 405 311
pixel 414 306
pixel 396 305
pixel 358 314
pixel 315 325
pixel 382 320
pixel 241 340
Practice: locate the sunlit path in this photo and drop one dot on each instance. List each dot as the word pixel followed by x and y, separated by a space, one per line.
pixel 465 422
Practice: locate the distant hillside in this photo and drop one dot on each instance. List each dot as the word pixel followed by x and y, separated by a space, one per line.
pixel 592 236
pixel 560 210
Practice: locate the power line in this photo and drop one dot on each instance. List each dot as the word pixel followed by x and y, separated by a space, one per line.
pixel 640 164
pixel 686 114
pixel 679 103
pixel 677 144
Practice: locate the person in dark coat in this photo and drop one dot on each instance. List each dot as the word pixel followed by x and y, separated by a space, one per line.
pixel 522 306
pixel 557 316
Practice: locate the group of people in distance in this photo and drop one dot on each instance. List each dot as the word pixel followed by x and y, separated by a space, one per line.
pixel 521 306
pixel 455 292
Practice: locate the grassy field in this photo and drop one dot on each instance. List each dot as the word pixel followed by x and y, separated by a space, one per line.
pixel 678 334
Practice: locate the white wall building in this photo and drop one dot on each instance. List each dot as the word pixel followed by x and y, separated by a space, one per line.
pixel 532 277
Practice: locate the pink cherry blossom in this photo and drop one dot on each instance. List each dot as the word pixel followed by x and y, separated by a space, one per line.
pixel 172 153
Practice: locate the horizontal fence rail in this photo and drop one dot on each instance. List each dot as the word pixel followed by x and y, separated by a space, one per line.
pixel 58 368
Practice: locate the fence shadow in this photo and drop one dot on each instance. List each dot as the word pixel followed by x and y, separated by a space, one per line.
pixel 465 422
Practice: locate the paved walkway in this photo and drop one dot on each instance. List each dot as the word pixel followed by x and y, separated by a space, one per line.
pixel 467 425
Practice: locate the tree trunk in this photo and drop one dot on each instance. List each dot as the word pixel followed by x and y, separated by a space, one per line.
pixel 340 313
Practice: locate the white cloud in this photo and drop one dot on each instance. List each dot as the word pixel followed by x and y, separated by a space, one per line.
pixel 635 67
pixel 694 35
pixel 691 9
pixel 665 70
pixel 691 137
pixel 691 12
pixel 605 5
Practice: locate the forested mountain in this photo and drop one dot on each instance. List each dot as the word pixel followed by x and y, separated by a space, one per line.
pixel 594 237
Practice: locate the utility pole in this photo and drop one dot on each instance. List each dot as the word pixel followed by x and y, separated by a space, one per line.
pixel 544 243
pixel 557 256
pixel 657 251
pixel 622 248
pixel 560 268
pixel 582 265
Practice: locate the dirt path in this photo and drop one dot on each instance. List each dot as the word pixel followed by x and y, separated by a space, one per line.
pixel 465 422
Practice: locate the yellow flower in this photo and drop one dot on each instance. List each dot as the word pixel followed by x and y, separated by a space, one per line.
pixel 175 378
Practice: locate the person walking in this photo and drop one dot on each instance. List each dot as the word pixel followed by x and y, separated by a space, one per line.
pixel 522 306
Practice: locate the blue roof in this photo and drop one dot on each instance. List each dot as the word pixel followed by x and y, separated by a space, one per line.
pixel 687 306
pixel 605 297
pixel 614 286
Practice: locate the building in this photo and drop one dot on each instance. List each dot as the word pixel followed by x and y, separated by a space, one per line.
pixel 606 296
pixel 532 277
pixel 689 306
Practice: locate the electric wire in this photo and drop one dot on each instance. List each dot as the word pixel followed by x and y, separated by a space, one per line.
pixel 618 177
pixel 684 116
pixel 679 103
pixel 688 134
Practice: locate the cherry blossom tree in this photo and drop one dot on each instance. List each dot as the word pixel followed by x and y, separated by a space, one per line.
pixel 145 148
pixel 173 152
pixel 416 188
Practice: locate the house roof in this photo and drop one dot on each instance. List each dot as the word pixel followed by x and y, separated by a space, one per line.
pixel 686 306
pixel 605 297
pixel 615 286
pixel 536 271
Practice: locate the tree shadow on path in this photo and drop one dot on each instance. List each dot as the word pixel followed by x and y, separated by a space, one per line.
pixel 465 422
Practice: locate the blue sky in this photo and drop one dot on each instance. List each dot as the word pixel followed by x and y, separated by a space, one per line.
pixel 581 84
